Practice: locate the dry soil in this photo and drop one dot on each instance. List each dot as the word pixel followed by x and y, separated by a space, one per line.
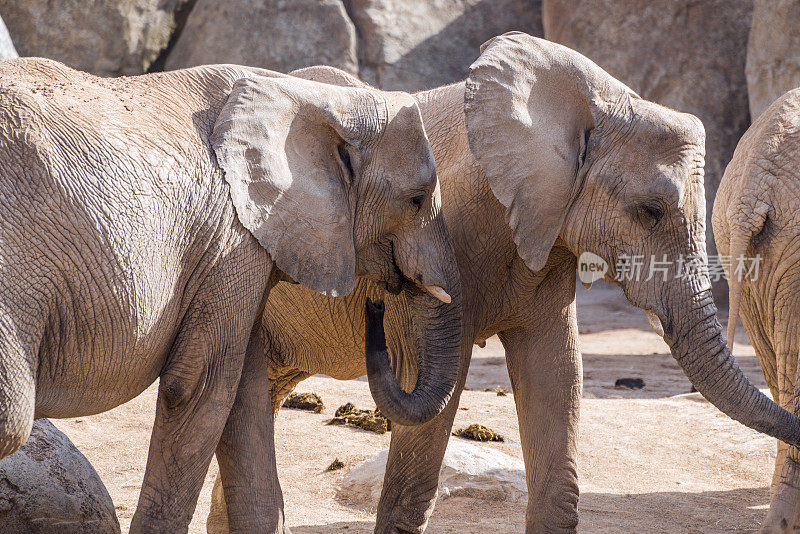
pixel 658 459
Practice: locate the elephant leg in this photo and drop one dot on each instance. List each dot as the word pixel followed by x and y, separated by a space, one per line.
pixel 544 365
pixel 415 459
pixel 785 495
pixel 18 356
pixel 197 389
pixel 780 459
pixel 246 453
pixel 282 381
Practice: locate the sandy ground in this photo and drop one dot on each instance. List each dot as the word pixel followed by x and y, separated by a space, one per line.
pixel 654 460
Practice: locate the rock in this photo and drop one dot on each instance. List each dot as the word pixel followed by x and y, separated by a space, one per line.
pixel 468 470
pixel 417 44
pixel 684 54
pixel 7 50
pixel 49 486
pixel 274 34
pixel 773 52
pixel 110 38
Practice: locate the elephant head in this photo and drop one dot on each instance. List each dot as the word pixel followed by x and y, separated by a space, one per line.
pixel 336 182
pixel 577 158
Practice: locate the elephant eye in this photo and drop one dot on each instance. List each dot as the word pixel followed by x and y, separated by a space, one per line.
pixel 344 155
pixel 649 215
pixel 417 201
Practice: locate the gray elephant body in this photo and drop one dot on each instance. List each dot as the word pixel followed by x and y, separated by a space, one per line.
pixel 128 255
pixel 541 156
pixel 756 217
pixel 74 205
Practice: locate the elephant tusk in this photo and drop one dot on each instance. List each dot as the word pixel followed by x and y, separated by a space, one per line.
pixel 437 292
pixel 655 322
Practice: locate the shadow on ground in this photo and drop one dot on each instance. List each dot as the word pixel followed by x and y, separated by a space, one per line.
pixel 710 512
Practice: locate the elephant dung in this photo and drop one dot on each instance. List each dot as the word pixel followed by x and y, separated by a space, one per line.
pixel 304 401
pixel 468 470
pixel 370 420
pixel 773 52
pixel 335 465
pixel 478 432
pixel 49 486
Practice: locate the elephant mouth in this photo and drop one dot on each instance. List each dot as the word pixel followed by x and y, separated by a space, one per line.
pixel 396 281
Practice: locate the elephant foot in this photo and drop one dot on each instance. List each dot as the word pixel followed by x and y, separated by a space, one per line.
pixel 780 519
pixel 544 528
pixel 400 524
pixel 781 528
pixel 397 530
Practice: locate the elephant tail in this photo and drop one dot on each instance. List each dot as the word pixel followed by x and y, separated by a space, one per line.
pixel 738 248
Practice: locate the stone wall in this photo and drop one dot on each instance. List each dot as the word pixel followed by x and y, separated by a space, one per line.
pixel 393 44
pixel 773 52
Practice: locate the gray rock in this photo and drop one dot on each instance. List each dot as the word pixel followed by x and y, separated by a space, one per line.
pixel 109 38
pixel 684 54
pixel 476 471
pixel 417 44
pixel 7 50
pixel 281 35
pixel 773 52
pixel 49 486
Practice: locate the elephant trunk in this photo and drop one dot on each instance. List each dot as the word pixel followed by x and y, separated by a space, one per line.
pixel 696 341
pixel 437 327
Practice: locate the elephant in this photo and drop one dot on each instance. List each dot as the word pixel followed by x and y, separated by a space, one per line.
pixel 542 156
pixel 146 219
pixel 756 224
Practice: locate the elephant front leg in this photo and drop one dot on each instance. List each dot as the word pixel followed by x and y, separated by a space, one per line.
pixel 197 389
pixel 194 399
pixel 247 495
pixel 544 364
pixel 784 507
pixel 783 516
pixel 412 469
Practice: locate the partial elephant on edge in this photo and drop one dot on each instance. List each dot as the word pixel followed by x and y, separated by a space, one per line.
pixel 542 156
pixel 757 223
pixel 144 222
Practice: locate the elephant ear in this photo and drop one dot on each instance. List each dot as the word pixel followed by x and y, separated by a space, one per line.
pixel 289 148
pixel 529 106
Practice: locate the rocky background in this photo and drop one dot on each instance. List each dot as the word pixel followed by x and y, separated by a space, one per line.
pixel 723 60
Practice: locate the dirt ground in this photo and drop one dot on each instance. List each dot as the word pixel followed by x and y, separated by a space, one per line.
pixel 654 460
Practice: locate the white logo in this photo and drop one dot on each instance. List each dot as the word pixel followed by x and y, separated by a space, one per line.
pixel 591 267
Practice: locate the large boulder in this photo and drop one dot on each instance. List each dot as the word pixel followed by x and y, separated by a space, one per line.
pixel 417 44
pixel 274 34
pixel 476 471
pixel 110 38
pixel 49 486
pixel 685 54
pixel 773 52
pixel 7 50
